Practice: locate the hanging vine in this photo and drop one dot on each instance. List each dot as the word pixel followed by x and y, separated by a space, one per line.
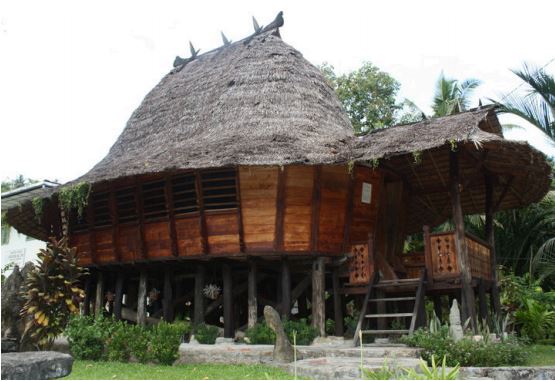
pixel 453 144
pixel 74 197
pixel 375 163
pixel 417 156
pixel 38 207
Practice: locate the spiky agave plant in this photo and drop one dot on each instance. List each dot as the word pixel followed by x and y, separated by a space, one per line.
pixel 51 293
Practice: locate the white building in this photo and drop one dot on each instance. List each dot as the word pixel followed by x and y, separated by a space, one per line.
pixel 18 248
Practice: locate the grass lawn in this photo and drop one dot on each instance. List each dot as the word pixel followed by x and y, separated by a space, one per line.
pixel 541 355
pixel 90 370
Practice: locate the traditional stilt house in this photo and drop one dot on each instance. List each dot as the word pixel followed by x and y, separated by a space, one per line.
pixel 238 183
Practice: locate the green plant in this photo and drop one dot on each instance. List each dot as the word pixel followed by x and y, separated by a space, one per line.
pixel 434 372
pixel 86 341
pixel 417 157
pixel 74 197
pixel 117 344
pixel 165 339
pixel 306 333
pixel 330 327
pixel 38 207
pixel 384 373
pixel 206 334
pixel 535 320
pixel 139 344
pixel 51 293
pixel 260 333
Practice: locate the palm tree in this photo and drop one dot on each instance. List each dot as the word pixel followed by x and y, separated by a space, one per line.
pixel 538 105
pixel 453 96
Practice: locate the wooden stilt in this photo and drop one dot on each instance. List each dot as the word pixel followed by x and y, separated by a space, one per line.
pixel 199 296
pixel 483 305
pixel 318 296
pixel 99 302
pixel 490 238
pixel 87 299
pixel 337 304
pixel 167 301
pixel 141 298
pixel 252 295
pixel 229 329
pixel 468 305
pixel 119 295
pixel 285 289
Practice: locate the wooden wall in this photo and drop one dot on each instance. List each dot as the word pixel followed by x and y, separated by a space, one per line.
pixel 297 209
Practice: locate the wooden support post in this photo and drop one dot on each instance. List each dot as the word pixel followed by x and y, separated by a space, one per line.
pixel 229 329
pixel 141 298
pixel 438 307
pixel 490 239
pixel 167 301
pixel 483 305
pixel 318 296
pixel 468 305
pixel 285 289
pixel 381 308
pixel 428 255
pixel 99 303
pixel 199 296
pixel 87 299
pixel 119 295
pixel 252 295
pixel 337 303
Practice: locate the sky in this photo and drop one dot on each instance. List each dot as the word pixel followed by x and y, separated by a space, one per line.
pixel 72 72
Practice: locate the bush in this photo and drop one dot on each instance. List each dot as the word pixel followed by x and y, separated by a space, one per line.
pixel 118 343
pixel 305 332
pixel 86 341
pixel 206 334
pixel 330 327
pixel 138 346
pixel 165 339
pixel 260 334
pixel 466 352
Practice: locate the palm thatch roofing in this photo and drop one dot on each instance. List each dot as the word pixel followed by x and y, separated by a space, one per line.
pixel 259 102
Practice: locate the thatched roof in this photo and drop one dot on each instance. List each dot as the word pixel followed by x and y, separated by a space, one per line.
pixel 254 102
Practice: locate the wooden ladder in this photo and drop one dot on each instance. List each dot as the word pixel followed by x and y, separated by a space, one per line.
pixel 418 314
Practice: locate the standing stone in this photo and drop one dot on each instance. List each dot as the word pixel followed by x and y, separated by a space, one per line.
pixel 455 327
pixel 283 350
pixel 12 302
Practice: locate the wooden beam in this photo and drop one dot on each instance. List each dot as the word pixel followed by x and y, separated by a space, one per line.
pixel 285 288
pixel 171 216
pixel 141 298
pixel 198 303
pixel 115 224
pixel 463 262
pixel 490 239
pixel 120 280
pixel 229 328
pixel 315 210
pixel 167 304
pixel 99 302
pixel 252 294
pixel 483 305
pixel 337 303
pixel 428 255
pixel 503 194
pixel 200 200
pixel 443 182
pixel 239 211
pixel 318 296
pixel 280 209
pixel 141 220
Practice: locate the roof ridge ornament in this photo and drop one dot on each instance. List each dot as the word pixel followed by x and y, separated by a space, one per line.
pixel 179 63
pixel 275 24
pixel 225 40
pixel 257 28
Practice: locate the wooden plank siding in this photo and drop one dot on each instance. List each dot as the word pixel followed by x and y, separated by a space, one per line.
pixel 299 182
pixel 364 217
pixel 334 189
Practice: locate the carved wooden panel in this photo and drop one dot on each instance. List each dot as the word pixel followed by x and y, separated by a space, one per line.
pixel 444 256
pixel 360 265
pixel 479 256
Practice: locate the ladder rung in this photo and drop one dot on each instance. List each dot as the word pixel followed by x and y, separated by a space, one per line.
pixel 406 280
pixel 400 314
pixel 383 331
pixel 393 299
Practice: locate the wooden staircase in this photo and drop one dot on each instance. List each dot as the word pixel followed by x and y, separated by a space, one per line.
pixel 392 293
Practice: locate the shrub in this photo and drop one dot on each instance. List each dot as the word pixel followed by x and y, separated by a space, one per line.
pixel 330 327
pixel 118 344
pixel 260 333
pixel 206 334
pixel 535 320
pixel 305 332
pixel 86 342
pixel 138 346
pixel 165 339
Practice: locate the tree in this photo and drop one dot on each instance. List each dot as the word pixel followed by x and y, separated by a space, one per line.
pixel 18 182
pixel 368 96
pixel 453 96
pixel 538 105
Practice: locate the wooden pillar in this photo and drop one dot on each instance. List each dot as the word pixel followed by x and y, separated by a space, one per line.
pixel 87 299
pixel 337 304
pixel 490 238
pixel 285 289
pixel 119 295
pixel 483 305
pixel 318 296
pixel 99 303
pixel 141 298
pixel 229 329
pixel 167 301
pixel 199 296
pixel 468 305
pixel 252 295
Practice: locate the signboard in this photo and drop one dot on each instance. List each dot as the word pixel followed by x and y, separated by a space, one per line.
pixel 16 256
pixel 366 193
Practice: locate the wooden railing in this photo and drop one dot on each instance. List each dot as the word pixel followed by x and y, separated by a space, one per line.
pixel 441 256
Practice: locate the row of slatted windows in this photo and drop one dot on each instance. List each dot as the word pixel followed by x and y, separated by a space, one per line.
pixel 184 194
pixel 154 200
pixel 101 206
pixel 78 223
pixel 126 205
pixel 219 188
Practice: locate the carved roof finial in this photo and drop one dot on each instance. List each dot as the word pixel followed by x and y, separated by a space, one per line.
pixel 194 52
pixel 277 23
pixel 257 28
pixel 225 40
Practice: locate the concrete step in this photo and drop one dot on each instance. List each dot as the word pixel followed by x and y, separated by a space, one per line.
pixel 384 331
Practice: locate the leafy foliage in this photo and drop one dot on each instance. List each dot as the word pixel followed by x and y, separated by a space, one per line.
pixel 165 339
pixel 206 334
pixel 260 333
pixel 86 340
pixel 452 96
pixel 305 332
pixel 367 95
pixel 52 293
pixel 536 320
pixel 74 197
pixel 432 372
